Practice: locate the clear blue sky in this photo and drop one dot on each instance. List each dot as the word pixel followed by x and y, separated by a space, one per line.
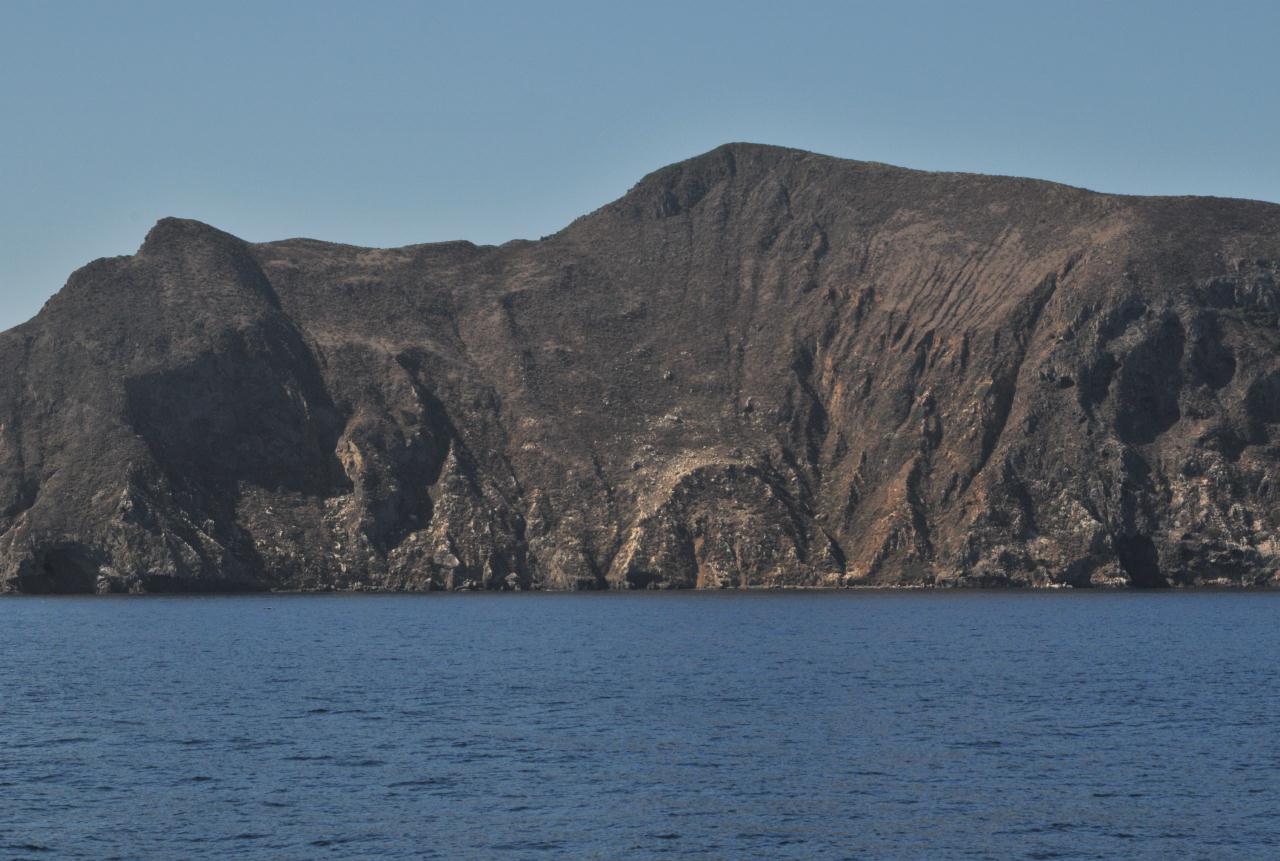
pixel 389 123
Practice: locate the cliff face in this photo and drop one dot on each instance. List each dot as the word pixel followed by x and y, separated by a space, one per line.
pixel 760 367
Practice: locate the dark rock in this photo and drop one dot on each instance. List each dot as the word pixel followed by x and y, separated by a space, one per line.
pixel 954 380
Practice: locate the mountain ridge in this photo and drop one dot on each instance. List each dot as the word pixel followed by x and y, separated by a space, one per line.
pixel 758 367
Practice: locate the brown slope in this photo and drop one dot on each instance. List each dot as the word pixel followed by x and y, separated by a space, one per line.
pixel 758 367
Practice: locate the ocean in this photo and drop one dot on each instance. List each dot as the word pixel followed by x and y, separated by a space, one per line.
pixel 771 725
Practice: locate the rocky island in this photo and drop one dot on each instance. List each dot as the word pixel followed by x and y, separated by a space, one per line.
pixel 759 368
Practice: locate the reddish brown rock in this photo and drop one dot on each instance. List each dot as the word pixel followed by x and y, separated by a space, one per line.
pixel 760 367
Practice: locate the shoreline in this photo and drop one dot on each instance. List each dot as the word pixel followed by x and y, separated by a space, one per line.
pixel 741 591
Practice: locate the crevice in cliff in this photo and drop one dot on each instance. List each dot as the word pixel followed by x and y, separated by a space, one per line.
pixel 810 421
pixel 1149 382
pixel 998 402
pixel 1137 556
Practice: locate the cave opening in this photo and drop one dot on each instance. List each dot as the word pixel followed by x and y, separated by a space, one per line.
pixel 61 570
pixel 1138 558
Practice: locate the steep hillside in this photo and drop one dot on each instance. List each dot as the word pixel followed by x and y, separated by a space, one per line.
pixel 760 367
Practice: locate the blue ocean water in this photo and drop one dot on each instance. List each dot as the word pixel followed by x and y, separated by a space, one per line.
pixel 617 726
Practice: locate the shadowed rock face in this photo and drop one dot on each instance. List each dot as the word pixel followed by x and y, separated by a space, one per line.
pixel 760 367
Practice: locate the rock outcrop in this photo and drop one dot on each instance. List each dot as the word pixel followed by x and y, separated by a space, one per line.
pixel 760 367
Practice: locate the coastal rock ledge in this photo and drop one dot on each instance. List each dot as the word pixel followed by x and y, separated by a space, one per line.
pixel 759 368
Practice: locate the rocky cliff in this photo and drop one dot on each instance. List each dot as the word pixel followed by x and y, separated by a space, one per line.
pixel 760 367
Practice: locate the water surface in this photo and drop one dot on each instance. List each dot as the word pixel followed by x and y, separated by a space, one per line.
pixel 814 725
